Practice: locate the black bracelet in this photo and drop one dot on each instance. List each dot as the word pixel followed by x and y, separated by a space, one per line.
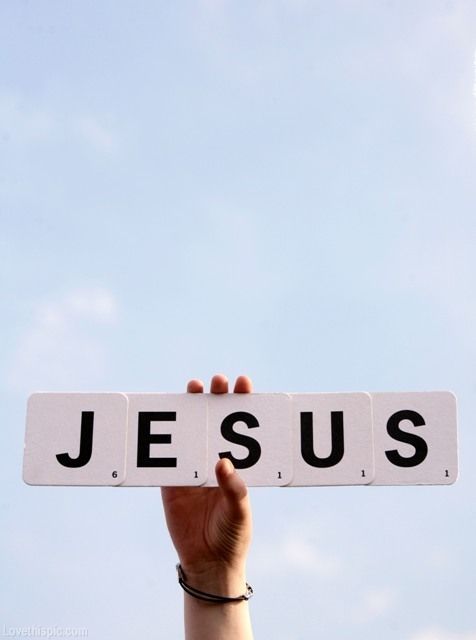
pixel 210 597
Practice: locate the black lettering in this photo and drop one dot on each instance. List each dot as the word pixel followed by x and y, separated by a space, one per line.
pixel 394 431
pixel 145 438
pixel 85 444
pixel 337 438
pixel 253 446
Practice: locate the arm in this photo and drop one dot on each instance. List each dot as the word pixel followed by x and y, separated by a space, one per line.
pixel 211 531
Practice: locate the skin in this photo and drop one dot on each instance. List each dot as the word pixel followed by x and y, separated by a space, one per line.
pixel 211 531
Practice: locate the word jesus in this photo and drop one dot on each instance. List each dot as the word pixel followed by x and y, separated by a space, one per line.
pixel 274 439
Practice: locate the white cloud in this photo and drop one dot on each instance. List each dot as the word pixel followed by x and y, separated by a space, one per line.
pixel 298 551
pixel 64 346
pixel 95 133
pixel 213 6
pixel 24 123
pixel 97 304
pixel 439 634
pixel 375 603
pixel 474 87
pixel 442 559
pixel 435 257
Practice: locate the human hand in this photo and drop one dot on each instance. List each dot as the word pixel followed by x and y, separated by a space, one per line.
pixel 211 527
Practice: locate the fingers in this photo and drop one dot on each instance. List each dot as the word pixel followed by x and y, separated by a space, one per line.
pixel 243 384
pixel 219 384
pixel 195 386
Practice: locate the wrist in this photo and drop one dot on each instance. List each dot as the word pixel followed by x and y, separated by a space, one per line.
pixel 218 578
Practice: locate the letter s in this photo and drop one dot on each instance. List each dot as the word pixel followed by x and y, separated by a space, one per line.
pixel 253 446
pixel 394 431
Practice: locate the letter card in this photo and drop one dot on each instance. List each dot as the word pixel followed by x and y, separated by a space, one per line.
pixel 253 430
pixel 167 440
pixel 75 439
pixel 415 438
pixel 333 442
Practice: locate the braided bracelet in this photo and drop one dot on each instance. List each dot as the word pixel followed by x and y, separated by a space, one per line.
pixel 210 597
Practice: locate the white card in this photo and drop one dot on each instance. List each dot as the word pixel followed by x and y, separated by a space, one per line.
pixel 253 430
pixel 415 438
pixel 167 440
pixel 75 439
pixel 332 439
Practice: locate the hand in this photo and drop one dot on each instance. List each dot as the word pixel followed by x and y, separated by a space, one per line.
pixel 211 527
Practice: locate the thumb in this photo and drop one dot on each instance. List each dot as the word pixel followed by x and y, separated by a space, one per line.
pixel 232 486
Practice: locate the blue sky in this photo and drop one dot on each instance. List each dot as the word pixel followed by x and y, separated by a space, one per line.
pixel 279 188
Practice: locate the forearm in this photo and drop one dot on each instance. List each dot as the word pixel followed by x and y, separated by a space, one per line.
pixel 211 531
pixel 217 621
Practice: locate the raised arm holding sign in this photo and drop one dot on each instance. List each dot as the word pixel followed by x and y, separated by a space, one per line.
pixel 211 531
pixel 191 443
